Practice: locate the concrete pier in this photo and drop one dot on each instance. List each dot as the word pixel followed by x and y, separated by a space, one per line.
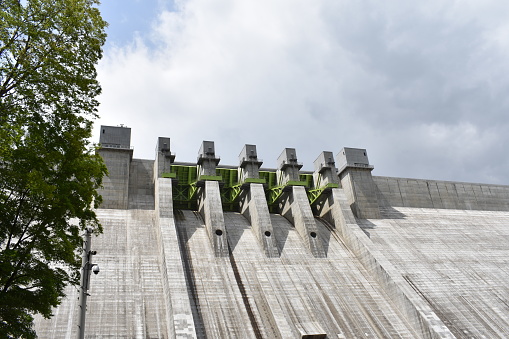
pixel 209 207
pixel 294 206
pixel 253 203
pixel 179 308
pixel 294 203
pixel 355 176
pixel 253 206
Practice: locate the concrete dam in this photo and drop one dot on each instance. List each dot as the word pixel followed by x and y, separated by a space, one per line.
pixel 204 250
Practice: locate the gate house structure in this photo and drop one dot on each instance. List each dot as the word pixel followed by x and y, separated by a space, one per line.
pixel 204 250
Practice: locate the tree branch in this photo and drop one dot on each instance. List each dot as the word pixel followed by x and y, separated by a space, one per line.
pixel 10 42
pixel 6 88
pixel 15 221
pixel 14 274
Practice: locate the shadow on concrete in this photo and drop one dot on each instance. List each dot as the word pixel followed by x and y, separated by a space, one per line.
pixel 141 185
pixel 324 231
pixel 187 263
pixel 365 226
pixel 186 227
pixel 184 232
pixel 389 212
pixel 281 228
pixel 236 225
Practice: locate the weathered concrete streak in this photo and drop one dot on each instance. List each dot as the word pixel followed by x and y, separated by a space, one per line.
pixel 175 289
pixel 295 207
pixel 402 192
pixel 298 294
pixel 253 206
pixel 456 259
pixel 125 297
pixel 210 208
pixel 414 307
pixel 219 299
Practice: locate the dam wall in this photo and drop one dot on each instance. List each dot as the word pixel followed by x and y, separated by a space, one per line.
pixel 126 297
pixel 456 259
pixel 202 250
pixel 402 192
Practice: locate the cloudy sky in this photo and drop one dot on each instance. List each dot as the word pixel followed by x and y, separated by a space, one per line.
pixel 422 85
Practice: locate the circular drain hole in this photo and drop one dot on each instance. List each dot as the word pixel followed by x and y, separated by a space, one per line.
pixel 312 234
pixel 267 233
pixel 219 232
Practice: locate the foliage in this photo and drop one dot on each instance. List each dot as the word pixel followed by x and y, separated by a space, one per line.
pixel 49 175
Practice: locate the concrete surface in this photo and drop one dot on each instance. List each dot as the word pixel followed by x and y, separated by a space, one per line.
pixel 180 309
pixel 390 258
pixel 415 309
pixel 294 206
pixel 116 183
pixel 141 185
pixel 253 207
pixel 211 210
pixel 456 260
pixel 126 296
pixel 403 192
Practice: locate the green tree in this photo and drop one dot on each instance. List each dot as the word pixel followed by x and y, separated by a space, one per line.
pixel 49 174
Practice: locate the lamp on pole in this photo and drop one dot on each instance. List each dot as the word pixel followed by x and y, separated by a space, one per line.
pixel 86 268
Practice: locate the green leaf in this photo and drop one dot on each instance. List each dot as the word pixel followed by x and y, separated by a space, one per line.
pixel 49 174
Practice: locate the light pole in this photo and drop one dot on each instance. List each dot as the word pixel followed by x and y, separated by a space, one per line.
pixel 86 267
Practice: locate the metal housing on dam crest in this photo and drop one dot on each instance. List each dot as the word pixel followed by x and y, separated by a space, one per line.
pixel 202 250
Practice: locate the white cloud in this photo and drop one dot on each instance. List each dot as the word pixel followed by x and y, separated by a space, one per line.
pixel 402 80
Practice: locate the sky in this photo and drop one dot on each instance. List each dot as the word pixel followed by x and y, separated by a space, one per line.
pixel 423 86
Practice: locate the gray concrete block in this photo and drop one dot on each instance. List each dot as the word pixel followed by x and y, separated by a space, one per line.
pixel 115 137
